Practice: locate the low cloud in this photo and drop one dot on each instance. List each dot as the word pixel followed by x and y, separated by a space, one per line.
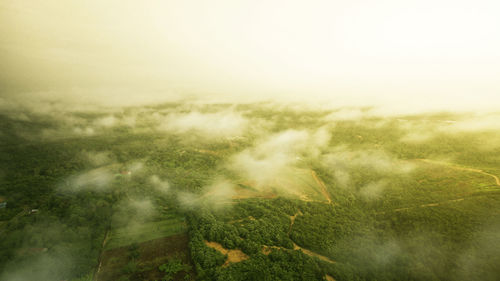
pixel 160 185
pixel 276 156
pixel 96 158
pixel 44 266
pixel 135 167
pixel 478 122
pixel 485 246
pixel 377 160
pixel 132 212
pixel 346 114
pixel 344 164
pixel 210 125
pixel 108 121
pixel 373 190
pixel 215 195
pixel 96 180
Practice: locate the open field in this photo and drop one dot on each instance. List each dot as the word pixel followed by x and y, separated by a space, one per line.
pixel 144 232
pixel 151 254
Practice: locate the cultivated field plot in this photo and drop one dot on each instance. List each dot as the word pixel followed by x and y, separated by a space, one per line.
pixel 433 184
pixel 119 264
pixel 297 183
pixel 133 233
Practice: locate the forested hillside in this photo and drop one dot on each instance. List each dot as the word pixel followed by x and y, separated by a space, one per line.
pixel 192 191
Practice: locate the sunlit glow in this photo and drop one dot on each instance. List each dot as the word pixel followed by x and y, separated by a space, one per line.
pixel 389 50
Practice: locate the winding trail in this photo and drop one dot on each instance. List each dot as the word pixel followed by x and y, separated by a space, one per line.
pixel 451 166
pixel 98 268
pixel 305 251
pixel 267 249
pixel 292 220
pixel 456 167
pixel 425 205
pixel 311 253
pixel 324 190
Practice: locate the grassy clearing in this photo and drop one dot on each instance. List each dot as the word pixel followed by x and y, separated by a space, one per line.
pixel 295 183
pixel 124 236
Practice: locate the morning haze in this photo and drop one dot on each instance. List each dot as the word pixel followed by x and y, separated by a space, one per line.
pixel 442 54
pixel 249 140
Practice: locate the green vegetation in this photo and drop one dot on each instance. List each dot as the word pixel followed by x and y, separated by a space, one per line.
pixel 144 232
pixel 172 267
pixel 302 195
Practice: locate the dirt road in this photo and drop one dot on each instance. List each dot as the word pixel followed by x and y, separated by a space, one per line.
pixel 456 167
pixel 305 251
pixel 324 191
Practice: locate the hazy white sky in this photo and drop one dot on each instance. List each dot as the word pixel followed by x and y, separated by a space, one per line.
pixel 439 52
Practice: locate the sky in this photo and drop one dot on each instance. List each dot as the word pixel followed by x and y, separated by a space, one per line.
pixel 439 53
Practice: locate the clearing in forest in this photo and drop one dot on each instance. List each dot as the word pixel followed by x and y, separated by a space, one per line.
pixel 303 184
pixel 324 190
pixel 266 250
pixel 312 254
pixel 121 264
pixel 137 233
pixel 292 220
pixel 456 167
pixel 233 255
pixel 297 247
pixel 444 183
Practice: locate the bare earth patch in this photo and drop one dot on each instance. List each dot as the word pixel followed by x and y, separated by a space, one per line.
pixel 266 250
pixel 292 220
pixel 312 254
pixel 233 255
pixel 329 278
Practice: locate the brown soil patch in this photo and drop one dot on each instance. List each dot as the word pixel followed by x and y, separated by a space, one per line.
pixel 329 278
pixel 153 253
pixel 266 250
pixel 430 205
pixel 233 255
